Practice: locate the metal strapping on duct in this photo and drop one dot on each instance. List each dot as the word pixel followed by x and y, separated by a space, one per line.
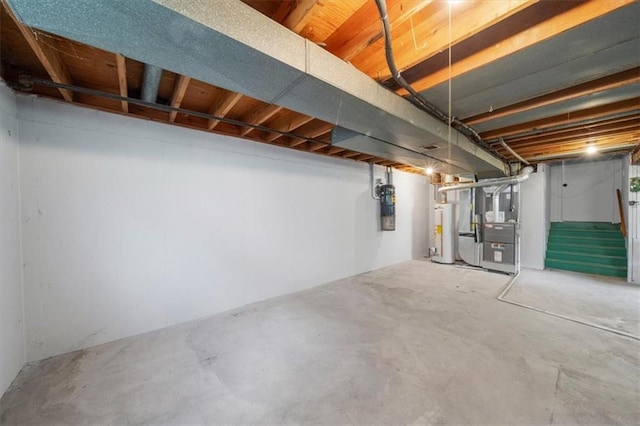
pixel 524 175
pixel 232 46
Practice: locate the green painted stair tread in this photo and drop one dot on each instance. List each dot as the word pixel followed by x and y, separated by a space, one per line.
pixel 588 268
pixel 597 233
pixel 588 249
pixel 605 242
pixel 594 259
pixel 585 225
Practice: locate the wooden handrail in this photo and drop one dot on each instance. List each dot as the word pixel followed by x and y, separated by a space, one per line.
pixel 623 223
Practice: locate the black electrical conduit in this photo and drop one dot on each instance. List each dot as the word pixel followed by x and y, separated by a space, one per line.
pixel 416 98
pixel 27 82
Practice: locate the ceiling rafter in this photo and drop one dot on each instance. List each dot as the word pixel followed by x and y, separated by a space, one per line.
pixel 567 118
pixel 48 57
pixel 363 27
pixel 571 135
pixel 578 15
pixel 121 68
pixel 179 90
pixel 222 106
pixel 582 127
pixel 429 35
pixel 259 116
pixel 594 86
pixel 290 126
pixel 300 15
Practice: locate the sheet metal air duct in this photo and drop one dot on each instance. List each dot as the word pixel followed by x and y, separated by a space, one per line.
pixel 150 83
pixel 230 45
pixel 501 182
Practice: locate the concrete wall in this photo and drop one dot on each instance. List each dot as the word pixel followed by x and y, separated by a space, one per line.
pixel 131 225
pixel 590 191
pixel 534 218
pixel 12 354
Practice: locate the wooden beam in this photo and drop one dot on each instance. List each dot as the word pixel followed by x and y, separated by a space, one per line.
pixel 259 116
pixel 363 157
pixel 301 15
pixel 48 56
pixel 578 133
pixel 222 106
pixel 315 146
pixel 635 155
pixel 364 27
pixel 595 126
pixel 283 10
pixel 179 90
pixel 349 154
pixel 122 81
pixel 333 150
pixel 296 142
pixel 568 118
pixel 614 141
pixel 317 130
pixel 290 126
pixel 574 17
pixel 585 89
pixel 429 34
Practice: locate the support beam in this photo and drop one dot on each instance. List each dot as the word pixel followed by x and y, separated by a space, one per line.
pixel 574 17
pixel 259 116
pixel 363 27
pixel 568 118
pixel 333 150
pixel 122 81
pixel 290 126
pixel 222 106
pixel 179 91
pixel 585 89
pixel 570 136
pixel 428 33
pixel 635 155
pixel 48 57
pixel 301 15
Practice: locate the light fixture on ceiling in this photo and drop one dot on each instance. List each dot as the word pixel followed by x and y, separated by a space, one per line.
pixel 591 149
pixel 428 171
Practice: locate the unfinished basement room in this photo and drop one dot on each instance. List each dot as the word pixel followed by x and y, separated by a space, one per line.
pixel 331 212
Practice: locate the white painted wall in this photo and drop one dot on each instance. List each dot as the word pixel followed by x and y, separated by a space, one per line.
pixel 590 192
pixel 131 225
pixel 533 218
pixel 12 354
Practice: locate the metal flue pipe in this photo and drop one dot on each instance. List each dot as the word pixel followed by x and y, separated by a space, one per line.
pixel 524 175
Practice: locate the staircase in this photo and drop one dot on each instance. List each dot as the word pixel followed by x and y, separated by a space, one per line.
pixel 588 247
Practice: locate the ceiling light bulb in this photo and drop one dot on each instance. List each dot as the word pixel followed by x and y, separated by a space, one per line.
pixel 429 171
pixel 592 149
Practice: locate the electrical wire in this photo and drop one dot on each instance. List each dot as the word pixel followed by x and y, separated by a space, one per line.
pixel 416 98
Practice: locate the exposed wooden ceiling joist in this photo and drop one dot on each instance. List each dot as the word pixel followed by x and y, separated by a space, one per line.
pixel 222 106
pixel 259 116
pixel 48 56
pixel 578 15
pixel 604 83
pixel 430 33
pixel 179 91
pixel 563 119
pixel 121 69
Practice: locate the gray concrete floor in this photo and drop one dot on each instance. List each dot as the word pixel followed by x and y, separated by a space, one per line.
pixel 415 343
pixel 605 301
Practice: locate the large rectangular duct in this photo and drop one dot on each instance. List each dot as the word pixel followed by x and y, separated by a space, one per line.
pixel 230 45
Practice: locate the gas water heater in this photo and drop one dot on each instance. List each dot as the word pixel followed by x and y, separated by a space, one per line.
pixel 444 234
